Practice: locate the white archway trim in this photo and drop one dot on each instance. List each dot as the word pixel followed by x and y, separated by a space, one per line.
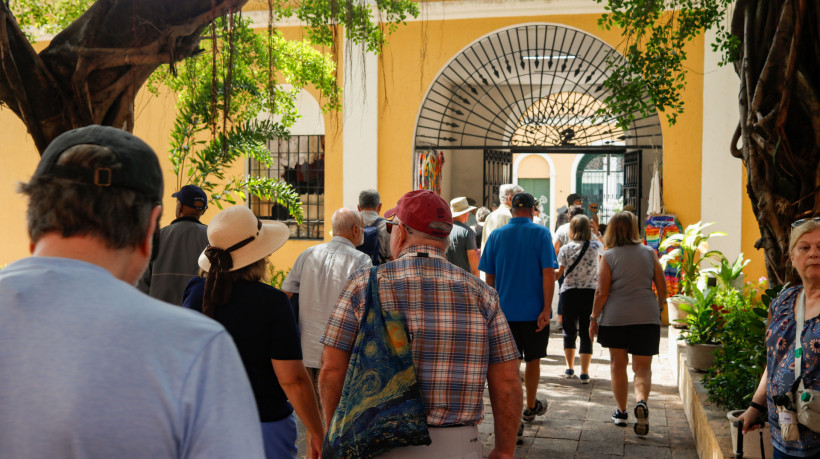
pixel 574 172
pixel 551 164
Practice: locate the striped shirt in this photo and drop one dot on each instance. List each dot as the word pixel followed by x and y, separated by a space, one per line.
pixel 454 323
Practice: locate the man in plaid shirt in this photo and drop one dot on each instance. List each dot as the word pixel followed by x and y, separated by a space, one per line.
pixel 458 335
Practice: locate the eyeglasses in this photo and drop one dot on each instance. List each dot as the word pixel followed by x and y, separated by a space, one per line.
pixel 804 220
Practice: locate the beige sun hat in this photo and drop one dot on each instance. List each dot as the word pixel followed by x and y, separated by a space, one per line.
pixel 460 206
pixel 238 231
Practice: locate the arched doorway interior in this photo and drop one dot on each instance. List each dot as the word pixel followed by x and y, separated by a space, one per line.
pixel 530 88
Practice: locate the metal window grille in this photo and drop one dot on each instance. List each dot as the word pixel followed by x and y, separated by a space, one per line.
pixel 299 161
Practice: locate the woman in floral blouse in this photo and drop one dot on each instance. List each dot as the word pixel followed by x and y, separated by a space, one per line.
pixel 804 252
pixel 578 291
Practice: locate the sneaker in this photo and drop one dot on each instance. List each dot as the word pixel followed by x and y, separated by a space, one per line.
pixel 539 409
pixel 585 378
pixel 642 416
pixel 559 326
pixel 520 440
pixel 619 417
pixel 569 374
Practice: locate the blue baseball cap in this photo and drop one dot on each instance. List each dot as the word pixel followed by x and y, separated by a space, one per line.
pixel 192 196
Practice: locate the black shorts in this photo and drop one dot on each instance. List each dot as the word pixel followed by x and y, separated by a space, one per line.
pixel 642 339
pixel 532 345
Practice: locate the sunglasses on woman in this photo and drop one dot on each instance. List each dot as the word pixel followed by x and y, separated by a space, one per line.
pixel 804 220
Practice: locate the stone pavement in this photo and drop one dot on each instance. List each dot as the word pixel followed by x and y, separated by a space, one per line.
pixel 577 423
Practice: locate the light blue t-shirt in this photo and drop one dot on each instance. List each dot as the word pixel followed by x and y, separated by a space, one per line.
pixel 91 367
pixel 516 254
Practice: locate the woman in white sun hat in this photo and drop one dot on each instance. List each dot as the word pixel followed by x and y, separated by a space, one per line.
pixel 260 320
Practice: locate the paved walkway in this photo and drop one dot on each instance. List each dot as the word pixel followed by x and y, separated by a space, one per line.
pixel 577 423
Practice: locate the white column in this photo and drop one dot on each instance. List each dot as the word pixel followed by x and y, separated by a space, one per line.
pixel 721 173
pixel 361 124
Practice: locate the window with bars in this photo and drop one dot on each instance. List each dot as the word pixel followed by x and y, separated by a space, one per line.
pixel 300 161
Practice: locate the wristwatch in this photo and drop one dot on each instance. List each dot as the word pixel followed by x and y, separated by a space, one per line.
pixel 591 318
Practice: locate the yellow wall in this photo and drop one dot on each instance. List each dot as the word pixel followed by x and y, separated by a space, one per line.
pixel 751 233
pixel 411 61
pixel 533 167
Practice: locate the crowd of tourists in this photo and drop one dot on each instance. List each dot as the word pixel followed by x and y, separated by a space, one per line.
pixel 381 340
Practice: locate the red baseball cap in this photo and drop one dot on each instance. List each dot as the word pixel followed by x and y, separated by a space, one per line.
pixel 418 209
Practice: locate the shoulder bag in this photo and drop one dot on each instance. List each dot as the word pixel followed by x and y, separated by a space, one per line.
pixel 381 405
pixel 575 263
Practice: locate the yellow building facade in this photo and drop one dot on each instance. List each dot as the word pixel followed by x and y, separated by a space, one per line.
pixel 374 141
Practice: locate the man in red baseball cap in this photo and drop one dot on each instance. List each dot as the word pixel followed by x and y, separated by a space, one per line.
pixel 458 335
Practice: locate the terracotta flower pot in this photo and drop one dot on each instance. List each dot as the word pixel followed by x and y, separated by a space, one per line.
pixel 701 357
pixel 751 441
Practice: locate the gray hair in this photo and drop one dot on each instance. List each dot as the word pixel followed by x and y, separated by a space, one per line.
pixel 481 214
pixel 343 220
pixel 507 190
pixel 369 199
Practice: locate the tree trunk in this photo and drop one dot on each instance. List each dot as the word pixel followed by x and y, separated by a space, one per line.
pixel 779 129
pixel 92 70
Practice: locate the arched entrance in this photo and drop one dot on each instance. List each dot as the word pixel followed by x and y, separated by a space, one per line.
pixel 530 88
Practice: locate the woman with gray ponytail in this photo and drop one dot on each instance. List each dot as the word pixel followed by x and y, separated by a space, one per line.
pixel 261 321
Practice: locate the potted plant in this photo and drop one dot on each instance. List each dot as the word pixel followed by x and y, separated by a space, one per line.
pixel 738 365
pixel 704 324
pixel 689 250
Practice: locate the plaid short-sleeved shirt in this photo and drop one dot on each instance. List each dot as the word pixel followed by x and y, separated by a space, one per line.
pixel 455 326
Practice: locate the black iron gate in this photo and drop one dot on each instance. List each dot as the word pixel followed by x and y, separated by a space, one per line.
pixel 497 171
pixel 632 180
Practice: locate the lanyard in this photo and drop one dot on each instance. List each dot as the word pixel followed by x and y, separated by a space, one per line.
pixel 800 315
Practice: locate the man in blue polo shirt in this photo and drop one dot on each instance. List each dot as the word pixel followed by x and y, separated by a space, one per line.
pixel 519 261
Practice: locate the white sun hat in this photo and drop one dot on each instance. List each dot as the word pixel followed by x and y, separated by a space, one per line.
pixel 246 238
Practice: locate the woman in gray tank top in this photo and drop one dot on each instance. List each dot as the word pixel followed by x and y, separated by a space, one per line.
pixel 626 313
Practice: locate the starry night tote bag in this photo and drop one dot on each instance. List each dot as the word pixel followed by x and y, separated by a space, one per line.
pixel 381 406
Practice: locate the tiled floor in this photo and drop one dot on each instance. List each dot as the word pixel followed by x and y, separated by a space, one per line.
pixel 577 423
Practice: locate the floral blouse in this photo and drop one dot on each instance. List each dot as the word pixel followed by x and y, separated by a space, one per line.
pixel 780 366
pixel 585 273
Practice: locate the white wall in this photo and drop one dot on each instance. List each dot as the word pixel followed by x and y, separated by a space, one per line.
pixel 722 174
pixel 361 123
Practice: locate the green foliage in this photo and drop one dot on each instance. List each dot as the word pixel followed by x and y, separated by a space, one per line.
pixel 728 272
pixel 223 103
pixel 703 321
pixel 690 251
pixel 48 17
pixel 357 18
pixel 740 362
pixel 655 34
pixel 275 276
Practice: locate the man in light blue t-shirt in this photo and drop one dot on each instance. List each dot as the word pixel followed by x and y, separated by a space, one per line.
pixel 89 365
pixel 519 261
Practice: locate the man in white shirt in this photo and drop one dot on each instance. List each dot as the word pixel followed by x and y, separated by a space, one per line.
pixel 318 276
pixel 499 217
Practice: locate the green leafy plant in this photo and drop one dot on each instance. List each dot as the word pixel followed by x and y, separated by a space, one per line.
pixel 221 98
pixel 653 75
pixel 690 250
pixel 703 321
pixel 731 382
pixel 727 272
pixel 276 276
